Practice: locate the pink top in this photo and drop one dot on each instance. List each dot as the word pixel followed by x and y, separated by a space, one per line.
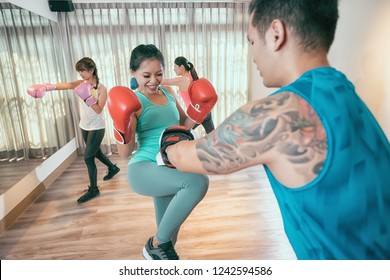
pixel 184 93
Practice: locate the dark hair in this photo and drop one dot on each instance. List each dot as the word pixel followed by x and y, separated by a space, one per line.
pixel 87 64
pixel 144 52
pixel 313 21
pixel 181 60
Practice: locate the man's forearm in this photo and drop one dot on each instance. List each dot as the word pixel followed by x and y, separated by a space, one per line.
pixel 183 156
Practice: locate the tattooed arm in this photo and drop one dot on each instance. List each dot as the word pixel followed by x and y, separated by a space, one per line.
pixel 281 130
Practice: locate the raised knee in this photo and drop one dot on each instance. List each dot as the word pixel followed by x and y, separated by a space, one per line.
pixel 200 183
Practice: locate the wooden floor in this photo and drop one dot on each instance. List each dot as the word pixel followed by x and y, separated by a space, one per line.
pixel 13 171
pixel 237 220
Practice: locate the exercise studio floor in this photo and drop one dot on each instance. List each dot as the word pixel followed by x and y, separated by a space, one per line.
pixel 237 220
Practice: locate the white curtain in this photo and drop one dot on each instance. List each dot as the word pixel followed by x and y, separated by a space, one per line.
pixel 210 35
pixel 30 52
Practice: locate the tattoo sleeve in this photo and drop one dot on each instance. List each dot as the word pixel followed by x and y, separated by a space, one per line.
pixel 282 123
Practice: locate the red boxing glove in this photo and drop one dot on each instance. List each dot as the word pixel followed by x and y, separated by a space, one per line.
pixel 83 90
pixel 170 136
pixel 203 98
pixel 38 91
pixel 122 102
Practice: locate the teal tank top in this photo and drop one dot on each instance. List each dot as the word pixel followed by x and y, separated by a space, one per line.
pixel 345 212
pixel 153 120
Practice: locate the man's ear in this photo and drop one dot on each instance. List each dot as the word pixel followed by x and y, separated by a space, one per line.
pixel 278 33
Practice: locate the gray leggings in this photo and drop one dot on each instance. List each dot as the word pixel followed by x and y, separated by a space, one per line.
pixel 175 194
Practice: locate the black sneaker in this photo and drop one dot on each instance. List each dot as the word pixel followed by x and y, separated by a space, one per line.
pixel 92 192
pixel 111 173
pixel 164 251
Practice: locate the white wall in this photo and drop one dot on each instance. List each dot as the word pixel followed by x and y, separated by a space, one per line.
pixel 363 28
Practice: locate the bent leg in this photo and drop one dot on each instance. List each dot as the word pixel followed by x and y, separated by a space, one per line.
pixel 176 193
pixel 93 139
pixel 101 156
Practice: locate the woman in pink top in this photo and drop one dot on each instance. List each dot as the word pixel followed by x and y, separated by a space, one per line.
pixel 186 73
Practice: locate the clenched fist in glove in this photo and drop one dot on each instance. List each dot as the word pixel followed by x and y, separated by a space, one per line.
pixel 83 90
pixel 203 98
pixel 170 136
pixel 122 102
pixel 39 90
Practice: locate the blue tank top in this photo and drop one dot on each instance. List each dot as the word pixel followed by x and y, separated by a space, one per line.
pixel 153 120
pixel 345 212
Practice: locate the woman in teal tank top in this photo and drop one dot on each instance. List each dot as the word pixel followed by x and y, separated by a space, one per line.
pixel 175 194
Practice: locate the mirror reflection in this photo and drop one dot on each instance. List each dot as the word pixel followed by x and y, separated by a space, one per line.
pixel 30 131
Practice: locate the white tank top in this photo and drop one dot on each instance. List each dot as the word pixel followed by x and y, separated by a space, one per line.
pixel 89 119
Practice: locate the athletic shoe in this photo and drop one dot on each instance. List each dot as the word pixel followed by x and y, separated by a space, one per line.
pixel 111 172
pixel 92 192
pixel 164 251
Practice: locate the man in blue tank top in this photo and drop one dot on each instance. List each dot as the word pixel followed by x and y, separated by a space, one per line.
pixel 327 159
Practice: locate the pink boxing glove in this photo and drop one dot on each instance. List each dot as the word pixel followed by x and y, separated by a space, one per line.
pixel 203 98
pixel 39 90
pixel 83 90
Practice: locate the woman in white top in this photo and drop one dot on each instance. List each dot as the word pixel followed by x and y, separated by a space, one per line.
pixel 93 97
